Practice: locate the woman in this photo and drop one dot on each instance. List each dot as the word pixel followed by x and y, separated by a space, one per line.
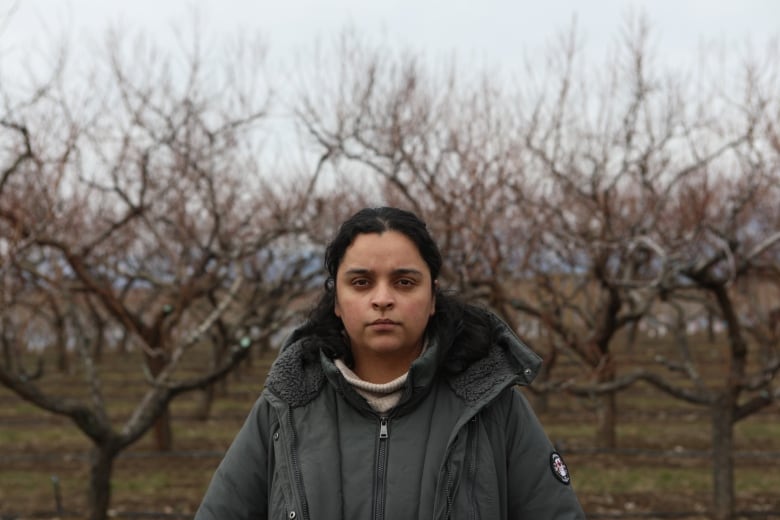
pixel 393 400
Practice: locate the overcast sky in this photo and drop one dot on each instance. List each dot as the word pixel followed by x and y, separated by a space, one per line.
pixel 480 33
pixel 490 32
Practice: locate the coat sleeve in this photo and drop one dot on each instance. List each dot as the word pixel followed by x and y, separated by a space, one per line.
pixel 539 485
pixel 239 487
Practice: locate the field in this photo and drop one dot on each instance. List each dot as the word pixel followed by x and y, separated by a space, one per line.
pixel 660 469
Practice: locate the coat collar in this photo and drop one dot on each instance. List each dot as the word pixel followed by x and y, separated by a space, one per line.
pixel 296 379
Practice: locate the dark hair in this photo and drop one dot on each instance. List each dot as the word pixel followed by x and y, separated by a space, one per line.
pixel 453 319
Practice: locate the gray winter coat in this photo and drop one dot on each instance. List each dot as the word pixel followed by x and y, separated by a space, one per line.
pixel 461 447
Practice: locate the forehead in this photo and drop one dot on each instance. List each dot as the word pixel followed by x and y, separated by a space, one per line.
pixel 388 250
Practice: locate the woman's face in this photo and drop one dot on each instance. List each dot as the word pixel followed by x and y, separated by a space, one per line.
pixel 384 297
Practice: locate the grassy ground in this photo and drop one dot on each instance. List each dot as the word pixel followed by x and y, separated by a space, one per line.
pixel 661 464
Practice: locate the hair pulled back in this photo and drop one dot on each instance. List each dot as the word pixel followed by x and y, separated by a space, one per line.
pixel 452 320
pixel 379 220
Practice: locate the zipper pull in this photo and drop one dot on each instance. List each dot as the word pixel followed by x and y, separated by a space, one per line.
pixel 383 428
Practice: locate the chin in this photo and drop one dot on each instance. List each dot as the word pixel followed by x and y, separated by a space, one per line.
pixel 391 347
pixel 387 348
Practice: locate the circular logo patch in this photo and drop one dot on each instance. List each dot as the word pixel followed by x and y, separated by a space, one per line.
pixel 559 468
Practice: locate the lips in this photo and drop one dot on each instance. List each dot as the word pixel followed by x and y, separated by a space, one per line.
pixel 384 321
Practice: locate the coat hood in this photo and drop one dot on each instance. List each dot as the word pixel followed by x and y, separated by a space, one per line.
pixel 296 378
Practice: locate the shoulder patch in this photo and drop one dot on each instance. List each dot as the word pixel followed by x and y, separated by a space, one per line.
pixel 559 468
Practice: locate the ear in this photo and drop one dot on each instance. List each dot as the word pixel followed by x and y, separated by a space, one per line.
pixel 337 308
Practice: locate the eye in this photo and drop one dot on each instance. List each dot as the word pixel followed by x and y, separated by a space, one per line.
pixel 406 282
pixel 360 282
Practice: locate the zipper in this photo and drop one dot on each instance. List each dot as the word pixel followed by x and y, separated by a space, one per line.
pixel 381 469
pixel 471 469
pixel 471 450
pixel 297 475
pixel 450 478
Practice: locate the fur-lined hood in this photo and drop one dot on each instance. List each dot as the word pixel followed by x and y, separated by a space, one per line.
pixel 296 379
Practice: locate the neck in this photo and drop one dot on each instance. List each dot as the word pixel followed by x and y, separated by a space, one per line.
pixel 379 369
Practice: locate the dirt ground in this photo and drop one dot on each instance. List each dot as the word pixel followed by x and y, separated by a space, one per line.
pixel 661 468
pixel 49 482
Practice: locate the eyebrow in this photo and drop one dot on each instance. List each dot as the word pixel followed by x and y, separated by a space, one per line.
pixel 400 271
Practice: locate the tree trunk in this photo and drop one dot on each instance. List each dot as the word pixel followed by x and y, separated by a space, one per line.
pixel 541 401
pixel 606 438
pixel 163 433
pixel 605 425
pixel 61 346
pixel 8 358
pixel 632 336
pixel 206 400
pixel 208 394
pixel 722 461
pixel 99 499
pixel 63 360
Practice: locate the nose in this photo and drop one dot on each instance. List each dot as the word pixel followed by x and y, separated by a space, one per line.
pixel 382 299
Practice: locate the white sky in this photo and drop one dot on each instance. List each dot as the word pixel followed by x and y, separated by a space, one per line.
pixel 496 34
pixel 489 32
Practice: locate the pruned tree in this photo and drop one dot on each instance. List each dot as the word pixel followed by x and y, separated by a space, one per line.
pixel 608 151
pixel 538 198
pixel 566 205
pixel 714 252
pixel 657 209
pixel 719 265
pixel 135 202
pixel 433 141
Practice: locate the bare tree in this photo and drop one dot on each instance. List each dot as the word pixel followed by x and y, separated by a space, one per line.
pixel 608 151
pixel 572 205
pixel 433 141
pixel 727 258
pixel 669 205
pixel 136 203
pixel 719 264
pixel 715 253
pixel 537 198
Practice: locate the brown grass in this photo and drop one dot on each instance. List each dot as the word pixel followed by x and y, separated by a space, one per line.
pixel 661 463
